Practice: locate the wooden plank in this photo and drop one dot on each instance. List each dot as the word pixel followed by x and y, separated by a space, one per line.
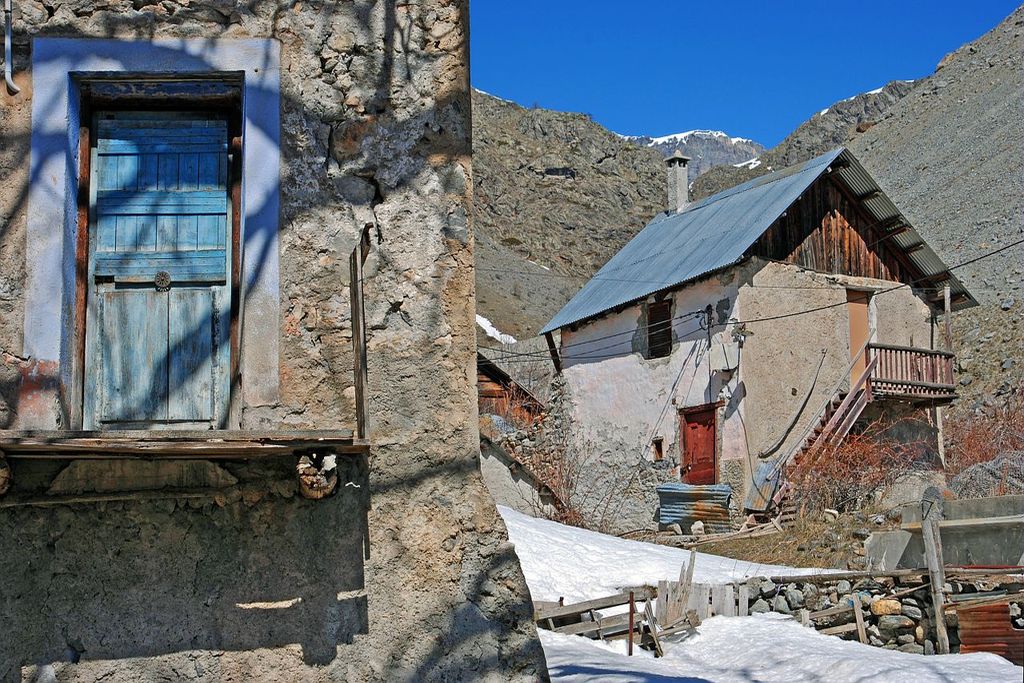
pixel 359 369
pixel 685 583
pixel 836 630
pixel 652 623
pixel 723 601
pixel 190 355
pixel 133 344
pixel 743 600
pixel 642 593
pixel 697 600
pixel 662 610
pixel 830 612
pixel 858 615
pixel 933 555
pixel 632 613
pixel 610 623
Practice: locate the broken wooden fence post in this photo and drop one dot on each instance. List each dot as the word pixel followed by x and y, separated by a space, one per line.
pixel 632 610
pixel 858 614
pixel 743 600
pixel 662 611
pixel 931 513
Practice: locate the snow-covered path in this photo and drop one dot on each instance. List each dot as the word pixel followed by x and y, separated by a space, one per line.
pixel 767 647
pixel 560 561
pixel 576 564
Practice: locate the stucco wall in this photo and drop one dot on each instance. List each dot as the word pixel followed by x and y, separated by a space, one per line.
pixel 375 129
pixel 615 401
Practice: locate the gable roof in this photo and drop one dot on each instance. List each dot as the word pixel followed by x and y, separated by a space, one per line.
pixel 716 232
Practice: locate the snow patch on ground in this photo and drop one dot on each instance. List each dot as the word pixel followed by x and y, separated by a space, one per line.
pixel 767 647
pixel 565 562
pixel 576 564
pixel 749 163
pixel 493 332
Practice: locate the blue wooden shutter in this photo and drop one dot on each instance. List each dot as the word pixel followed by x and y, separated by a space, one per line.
pixel 160 212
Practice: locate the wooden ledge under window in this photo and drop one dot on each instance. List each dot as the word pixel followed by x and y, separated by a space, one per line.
pixel 160 444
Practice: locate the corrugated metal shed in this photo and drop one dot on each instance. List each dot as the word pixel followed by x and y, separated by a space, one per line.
pixel 684 504
pixel 717 232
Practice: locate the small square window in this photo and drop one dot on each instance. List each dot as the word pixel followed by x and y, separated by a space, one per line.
pixel 659 329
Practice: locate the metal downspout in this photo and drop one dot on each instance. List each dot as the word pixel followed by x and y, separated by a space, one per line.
pixel 8 59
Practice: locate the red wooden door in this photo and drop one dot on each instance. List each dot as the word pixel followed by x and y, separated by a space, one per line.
pixel 697 437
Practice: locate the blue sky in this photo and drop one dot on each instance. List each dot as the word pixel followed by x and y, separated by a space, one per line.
pixel 753 69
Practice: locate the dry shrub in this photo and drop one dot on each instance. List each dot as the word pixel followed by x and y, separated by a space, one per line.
pixel 516 410
pixel 973 439
pixel 862 467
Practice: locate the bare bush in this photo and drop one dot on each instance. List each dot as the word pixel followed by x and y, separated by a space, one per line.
pixel 864 465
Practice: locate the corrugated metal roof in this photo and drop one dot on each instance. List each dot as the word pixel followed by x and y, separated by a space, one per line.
pixel 716 232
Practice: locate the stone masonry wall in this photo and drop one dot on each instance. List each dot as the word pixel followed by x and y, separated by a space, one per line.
pixel 259 584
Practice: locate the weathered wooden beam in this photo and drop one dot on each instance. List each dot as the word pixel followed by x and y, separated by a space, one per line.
pixel 642 593
pixel 932 513
pixel 359 370
pixel 553 350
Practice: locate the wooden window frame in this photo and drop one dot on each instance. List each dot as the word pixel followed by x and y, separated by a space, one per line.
pixel 659 341
pixel 217 93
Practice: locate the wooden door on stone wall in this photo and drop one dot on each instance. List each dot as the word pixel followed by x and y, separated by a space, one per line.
pixel 857 303
pixel 158 326
pixel 697 439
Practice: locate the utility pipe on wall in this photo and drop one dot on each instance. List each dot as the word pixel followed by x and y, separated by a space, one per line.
pixel 8 59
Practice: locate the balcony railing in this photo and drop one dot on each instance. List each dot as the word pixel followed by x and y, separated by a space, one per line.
pixel 906 372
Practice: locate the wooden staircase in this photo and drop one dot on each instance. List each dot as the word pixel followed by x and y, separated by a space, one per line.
pixel 835 420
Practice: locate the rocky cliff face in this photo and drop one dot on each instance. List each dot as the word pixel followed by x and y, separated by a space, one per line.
pixel 706 148
pixel 556 195
pixel 949 153
pixel 826 130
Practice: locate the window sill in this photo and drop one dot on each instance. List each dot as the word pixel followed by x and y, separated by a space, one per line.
pixel 168 444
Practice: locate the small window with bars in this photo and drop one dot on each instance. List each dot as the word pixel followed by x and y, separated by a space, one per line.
pixel 659 329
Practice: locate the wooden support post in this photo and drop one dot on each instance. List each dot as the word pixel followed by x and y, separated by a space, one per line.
pixel 743 600
pixel 356 261
pixel 632 611
pixel 946 318
pixel 931 513
pixel 553 350
pixel 805 617
pixel 858 614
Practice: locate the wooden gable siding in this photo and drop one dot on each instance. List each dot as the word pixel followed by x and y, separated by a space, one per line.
pixel 826 231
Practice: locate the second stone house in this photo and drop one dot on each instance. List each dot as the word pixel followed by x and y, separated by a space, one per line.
pixel 734 334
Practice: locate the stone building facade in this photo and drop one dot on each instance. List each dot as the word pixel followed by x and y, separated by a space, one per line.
pixel 710 348
pixel 356 116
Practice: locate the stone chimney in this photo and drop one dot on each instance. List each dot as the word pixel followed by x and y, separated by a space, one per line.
pixel 678 182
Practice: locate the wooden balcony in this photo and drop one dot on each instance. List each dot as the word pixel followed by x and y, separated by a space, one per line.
pixel 907 373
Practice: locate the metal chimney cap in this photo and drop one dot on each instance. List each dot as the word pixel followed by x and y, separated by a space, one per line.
pixel 677 157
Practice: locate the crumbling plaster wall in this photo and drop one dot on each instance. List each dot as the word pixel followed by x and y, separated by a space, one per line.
pixel 615 401
pixel 375 130
pixel 780 357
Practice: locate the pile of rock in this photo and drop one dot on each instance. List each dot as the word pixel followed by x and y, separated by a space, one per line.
pixel 893 618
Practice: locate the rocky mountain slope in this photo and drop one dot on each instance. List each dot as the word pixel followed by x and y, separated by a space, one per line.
pixel 556 195
pixel 825 130
pixel 706 148
pixel 947 149
pixel 559 190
